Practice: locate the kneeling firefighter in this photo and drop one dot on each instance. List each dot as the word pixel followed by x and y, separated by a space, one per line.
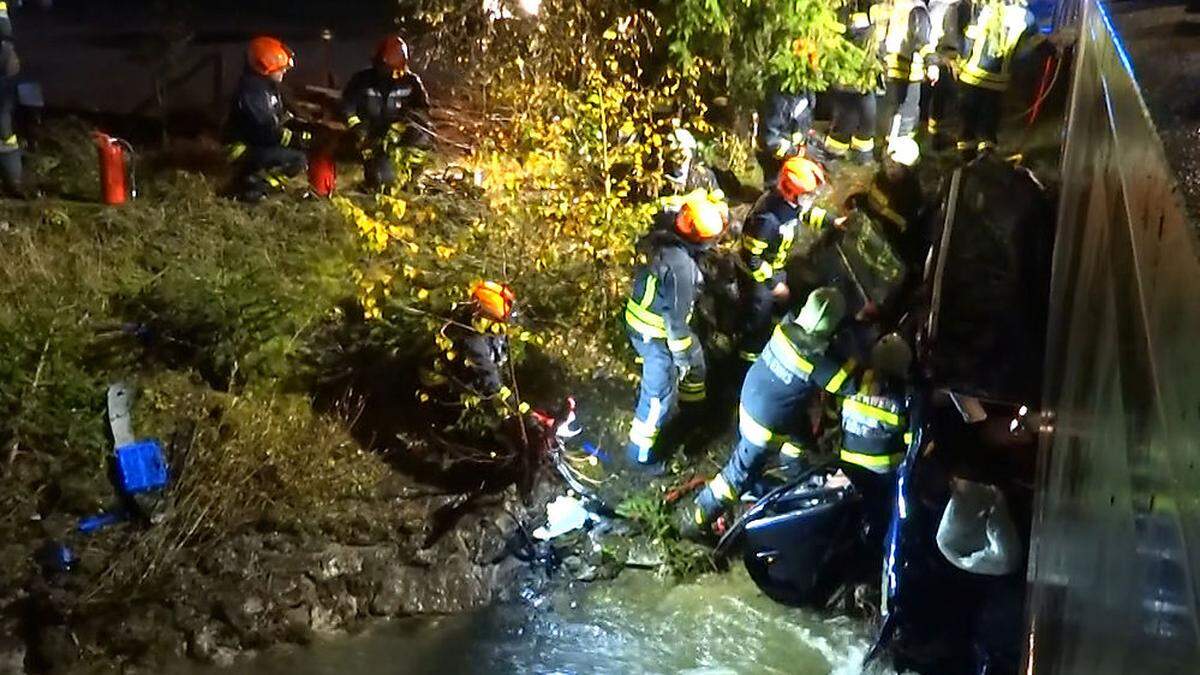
pixel 769 232
pixel 773 416
pixel 657 313
pixel 262 143
pixel 474 349
pixel 875 431
pixel 385 108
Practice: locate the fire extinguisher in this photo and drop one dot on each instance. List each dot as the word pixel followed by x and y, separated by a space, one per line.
pixel 117 181
pixel 322 173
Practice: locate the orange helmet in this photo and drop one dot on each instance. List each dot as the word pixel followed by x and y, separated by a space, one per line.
pixel 798 177
pixel 700 220
pixel 267 55
pixel 493 300
pixel 393 53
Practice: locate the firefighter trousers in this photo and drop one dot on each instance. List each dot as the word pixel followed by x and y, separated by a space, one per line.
pixel 852 129
pixel 758 314
pixel 263 169
pixel 980 117
pixel 10 150
pixel 899 109
pixel 773 419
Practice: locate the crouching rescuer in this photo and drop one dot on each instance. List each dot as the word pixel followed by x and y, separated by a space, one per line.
pixel 773 416
pixel 474 351
pixel 262 144
pixel 385 107
pixel 657 315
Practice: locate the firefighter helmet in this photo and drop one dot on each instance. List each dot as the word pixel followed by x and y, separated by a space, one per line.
pixel 493 300
pixel 268 55
pixel 700 219
pixel 892 356
pixel 822 312
pixel 393 53
pixel 903 150
pixel 798 177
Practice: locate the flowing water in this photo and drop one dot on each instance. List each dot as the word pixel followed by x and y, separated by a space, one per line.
pixel 636 624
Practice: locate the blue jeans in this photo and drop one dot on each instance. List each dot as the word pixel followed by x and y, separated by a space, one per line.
pixel 657 395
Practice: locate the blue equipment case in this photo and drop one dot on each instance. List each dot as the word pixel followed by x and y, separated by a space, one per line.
pixel 141 467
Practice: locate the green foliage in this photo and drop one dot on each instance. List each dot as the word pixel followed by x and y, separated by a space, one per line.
pixel 680 559
pixel 749 46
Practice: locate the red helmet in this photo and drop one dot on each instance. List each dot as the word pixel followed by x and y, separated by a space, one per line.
pixel 393 53
pixel 268 55
pixel 494 300
pixel 700 220
pixel 798 177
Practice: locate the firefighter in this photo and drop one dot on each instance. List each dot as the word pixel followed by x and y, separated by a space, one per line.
pixel 768 234
pixel 684 171
pixel 784 122
pixel 902 32
pixel 11 169
pixel 474 351
pixel 947 21
pixel 997 32
pixel 852 129
pixel 665 290
pixel 896 202
pixel 875 431
pixel 773 416
pixel 262 143
pixel 385 107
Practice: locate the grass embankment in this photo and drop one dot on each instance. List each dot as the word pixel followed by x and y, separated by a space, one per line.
pixel 205 306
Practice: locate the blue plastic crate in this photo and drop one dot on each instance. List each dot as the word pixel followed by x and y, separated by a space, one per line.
pixel 141 467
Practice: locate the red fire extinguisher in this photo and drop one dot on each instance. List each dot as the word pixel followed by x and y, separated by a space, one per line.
pixel 322 173
pixel 117 184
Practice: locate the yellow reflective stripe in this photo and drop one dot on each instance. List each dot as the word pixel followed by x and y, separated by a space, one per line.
pixel 877 463
pixel 691 386
pixel 908 438
pixel 236 150
pixel 835 383
pixel 791 450
pixel 881 204
pixel 693 396
pixel 748 356
pixel 273 181
pixel 504 393
pixel 932 125
pixel 641 326
pixel 353 121
pixel 835 145
pixel 754 246
pixel 752 431
pixel 680 345
pixel 792 354
pixel 645 316
pixel 765 271
pixel 285 138
pixel 816 216
pixel 721 489
pixel 862 144
pixel 651 289
pixel 785 247
pixel 11 141
pixel 886 416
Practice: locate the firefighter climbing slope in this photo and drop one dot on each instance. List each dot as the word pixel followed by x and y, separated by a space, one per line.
pixel 772 418
pixel 262 142
pixel 384 107
pixel 769 232
pixel 665 290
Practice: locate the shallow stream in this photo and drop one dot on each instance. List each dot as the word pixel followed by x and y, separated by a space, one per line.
pixel 636 624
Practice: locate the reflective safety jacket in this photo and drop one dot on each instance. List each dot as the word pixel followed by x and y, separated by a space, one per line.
pixel 875 432
pixel 902 31
pixel 258 117
pixel 854 23
pixel 472 362
pixel 795 357
pixel 375 101
pixel 897 206
pixel 665 290
pixel 991 41
pixel 784 122
pixel 770 231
